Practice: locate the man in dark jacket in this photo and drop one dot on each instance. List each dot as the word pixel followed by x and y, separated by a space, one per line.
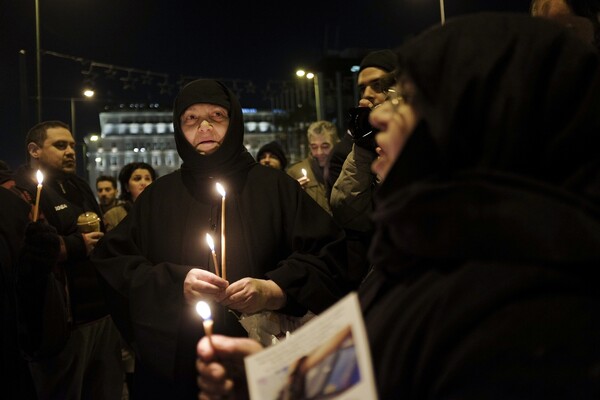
pixel 90 362
pixel 283 252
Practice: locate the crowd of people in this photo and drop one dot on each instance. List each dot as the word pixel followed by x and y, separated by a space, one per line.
pixel 462 206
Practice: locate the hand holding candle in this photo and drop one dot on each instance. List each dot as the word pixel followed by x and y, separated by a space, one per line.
pixel 40 179
pixel 303 180
pixel 203 310
pixel 211 244
pixel 221 191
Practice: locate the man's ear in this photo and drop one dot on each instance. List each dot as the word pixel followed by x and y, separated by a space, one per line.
pixel 34 150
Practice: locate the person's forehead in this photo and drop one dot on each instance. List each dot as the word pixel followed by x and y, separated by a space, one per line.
pixel 268 153
pixel 549 8
pixel 320 139
pixel 140 171
pixel 104 185
pixel 370 74
pixel 204 107
pixel 58 134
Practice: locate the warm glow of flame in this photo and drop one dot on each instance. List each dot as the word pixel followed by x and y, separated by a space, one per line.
pixel 220 189
pixel 210 242
pixel 39 176
pixel 203 310
pixel 304 172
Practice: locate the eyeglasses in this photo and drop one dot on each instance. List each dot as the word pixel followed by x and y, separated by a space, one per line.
pixel 395 98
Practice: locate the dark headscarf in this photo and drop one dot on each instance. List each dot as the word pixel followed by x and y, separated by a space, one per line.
pixel 510 109
pixel 275 149
pixel 231 161
pixel 506 93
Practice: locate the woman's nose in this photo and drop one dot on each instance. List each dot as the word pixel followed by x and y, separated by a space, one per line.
pixel 204 125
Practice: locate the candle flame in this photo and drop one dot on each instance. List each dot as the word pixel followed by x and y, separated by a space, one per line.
pixel 210 242
pixel 220 189
pixel 304 172
pixel 39 176
pixel 203 310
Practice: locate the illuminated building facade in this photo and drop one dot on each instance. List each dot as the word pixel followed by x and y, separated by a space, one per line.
pixel 147 136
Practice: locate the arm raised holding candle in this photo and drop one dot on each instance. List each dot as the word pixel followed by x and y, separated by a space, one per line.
pixel 220 365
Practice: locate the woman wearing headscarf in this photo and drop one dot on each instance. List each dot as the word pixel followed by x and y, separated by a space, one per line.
pixel 282 250
pixel 487 248
pixel 487 243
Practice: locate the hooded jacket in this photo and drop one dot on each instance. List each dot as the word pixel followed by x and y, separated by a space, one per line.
pixel 274 231
pixel 487 242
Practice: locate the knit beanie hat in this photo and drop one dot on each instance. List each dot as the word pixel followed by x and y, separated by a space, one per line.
pixel 275 149
pixel 383 59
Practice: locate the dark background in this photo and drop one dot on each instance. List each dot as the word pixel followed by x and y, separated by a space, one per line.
pixel 247 42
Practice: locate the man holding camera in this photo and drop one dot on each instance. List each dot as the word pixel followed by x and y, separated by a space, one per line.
pixel 351 196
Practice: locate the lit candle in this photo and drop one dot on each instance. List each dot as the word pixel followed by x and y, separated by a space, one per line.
pixel 40 179
pixel 221 191
pixel 211 244
pixel 203 310
pixel 304 173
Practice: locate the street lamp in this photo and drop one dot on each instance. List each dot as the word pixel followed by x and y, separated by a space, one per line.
pixel 87 93
pixel 442 12
pixel 38 63
pixel 318 99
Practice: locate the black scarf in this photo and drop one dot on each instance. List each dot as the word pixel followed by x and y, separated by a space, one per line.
pixel 510 131
pixel 231 162
pixel 510 93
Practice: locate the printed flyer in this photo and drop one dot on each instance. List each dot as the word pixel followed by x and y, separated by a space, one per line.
pixel 327 358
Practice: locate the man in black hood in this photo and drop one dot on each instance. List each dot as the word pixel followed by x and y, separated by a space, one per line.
pixel 282 250
pixel 272 155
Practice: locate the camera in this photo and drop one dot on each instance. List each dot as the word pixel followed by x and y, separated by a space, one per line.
pixel 363 134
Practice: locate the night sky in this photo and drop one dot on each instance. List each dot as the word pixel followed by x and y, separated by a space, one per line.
pixel 248 41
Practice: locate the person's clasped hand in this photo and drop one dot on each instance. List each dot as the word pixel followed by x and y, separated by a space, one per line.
pixel 249 295
pixel 220 366
pixel 200 284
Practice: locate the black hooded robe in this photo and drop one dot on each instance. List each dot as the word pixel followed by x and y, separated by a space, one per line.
pixel 487 243
pixel 273 231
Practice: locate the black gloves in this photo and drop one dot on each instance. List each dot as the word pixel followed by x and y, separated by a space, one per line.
pixel 363 134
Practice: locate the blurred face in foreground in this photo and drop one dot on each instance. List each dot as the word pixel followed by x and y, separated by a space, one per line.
pixel 204 126
pixel 396 119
